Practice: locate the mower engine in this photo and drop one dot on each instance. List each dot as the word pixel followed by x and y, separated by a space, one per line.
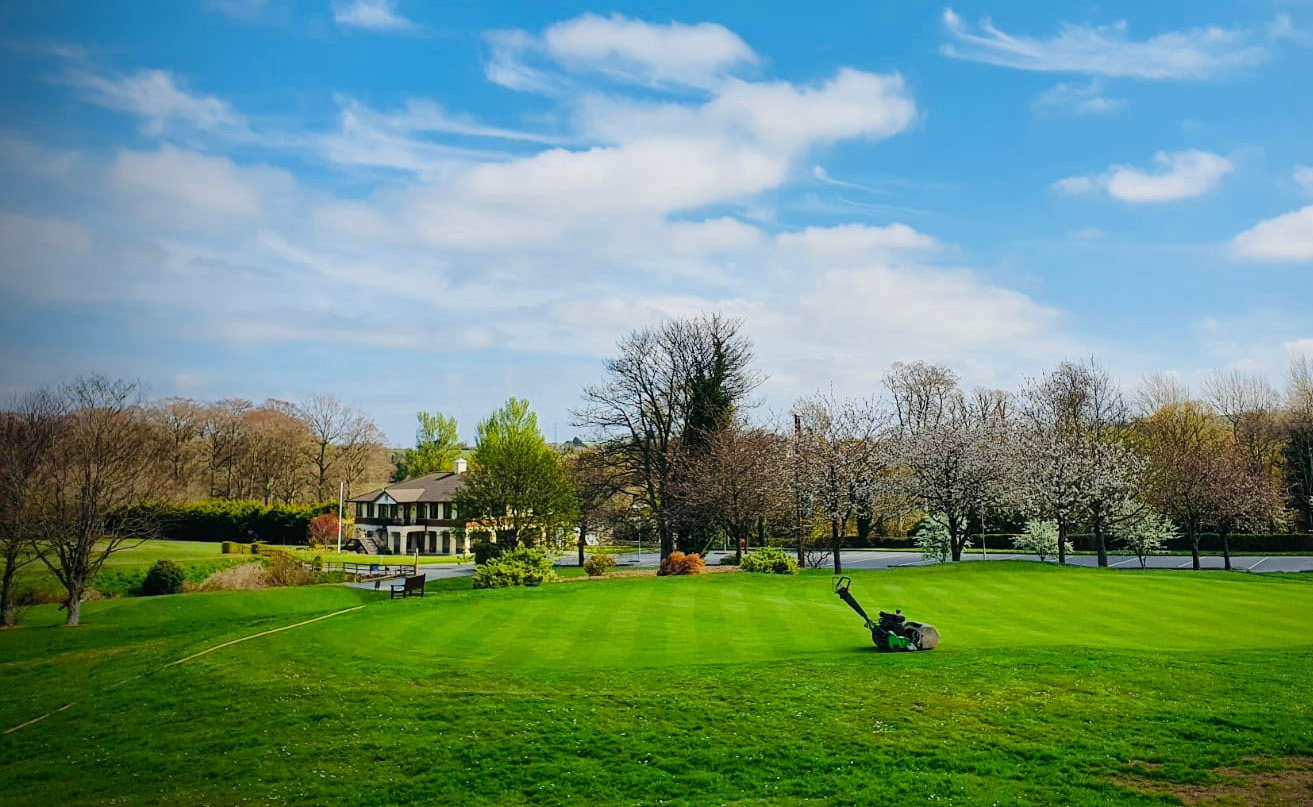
pixel 893 632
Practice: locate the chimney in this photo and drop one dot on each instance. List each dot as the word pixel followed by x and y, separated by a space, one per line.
pixel 461 465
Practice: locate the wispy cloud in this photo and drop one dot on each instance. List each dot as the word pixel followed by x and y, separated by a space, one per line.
pixel 1082 99
pixel 1105 50
pixel 157 97
pixel 379 16
pixel 1179 175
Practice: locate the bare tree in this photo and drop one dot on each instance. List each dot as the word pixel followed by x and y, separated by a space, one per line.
pixel 1160 390
pixel 342 441
pixel 922 393
pixel 100 463
pixel 28 429
pixel 596 484
pixel 1239 495
pixel 737 482
pixel 223 436
pixel 178 423
pixel 1252 407
pixel 666 380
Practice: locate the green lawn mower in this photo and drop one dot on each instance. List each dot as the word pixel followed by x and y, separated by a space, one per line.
pixel 893 633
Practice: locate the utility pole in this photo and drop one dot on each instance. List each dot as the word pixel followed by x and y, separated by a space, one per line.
pixel 341 495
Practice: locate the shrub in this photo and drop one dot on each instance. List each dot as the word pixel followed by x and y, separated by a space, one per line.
pixel 217 519
pixel 287 570
pixel 522 566
pixel 728 560
pixel 257 548
pixel 165 577
pixel 485 551
pixel 234 548
pixel 245 577
pixel 679 563
pixel 1040 538
pixel 933 540
pixel 597 565
pixel 772 559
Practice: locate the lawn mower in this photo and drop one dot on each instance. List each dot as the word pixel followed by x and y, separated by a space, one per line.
pixel 893 632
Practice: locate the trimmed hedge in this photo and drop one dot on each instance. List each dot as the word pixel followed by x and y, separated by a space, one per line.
pixel 228 520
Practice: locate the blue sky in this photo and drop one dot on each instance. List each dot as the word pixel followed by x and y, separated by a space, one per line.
pixel 417 205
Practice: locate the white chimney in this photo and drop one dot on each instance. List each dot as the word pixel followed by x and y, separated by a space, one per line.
pixel 461 465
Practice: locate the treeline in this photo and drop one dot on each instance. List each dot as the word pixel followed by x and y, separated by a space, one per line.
pixel 681 459
pixel 274 452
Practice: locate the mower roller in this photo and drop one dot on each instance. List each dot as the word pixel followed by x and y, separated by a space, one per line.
pixel 892 632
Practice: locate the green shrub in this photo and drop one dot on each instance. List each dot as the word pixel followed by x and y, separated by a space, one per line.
pixel 728 560
pixel 485 551
pixel 257 548
pixel 219 519
pixel 165 577
pixel 234 548
pixel 597 565
pixel 522 566
pixel 771 559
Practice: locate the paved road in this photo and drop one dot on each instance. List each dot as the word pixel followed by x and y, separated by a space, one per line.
pixel 865 559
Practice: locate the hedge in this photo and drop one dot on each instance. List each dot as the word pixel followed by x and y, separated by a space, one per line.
pixel 228 520
pixel 1208 542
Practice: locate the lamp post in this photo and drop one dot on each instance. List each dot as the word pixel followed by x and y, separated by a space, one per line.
pixel 797 483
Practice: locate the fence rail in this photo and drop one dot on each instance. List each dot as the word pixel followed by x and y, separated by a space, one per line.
pixel 366 571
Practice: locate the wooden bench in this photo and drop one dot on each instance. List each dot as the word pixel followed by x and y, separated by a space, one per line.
pixel 411 585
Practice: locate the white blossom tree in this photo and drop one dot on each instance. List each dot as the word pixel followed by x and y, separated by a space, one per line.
pixel 1145 532
pixel 1040 538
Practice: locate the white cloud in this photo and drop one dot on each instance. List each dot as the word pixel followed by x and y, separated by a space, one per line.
pixel 1087 99
pixel 1106 50
pixel 697 55
pixel 1299 347
pixel 1304 178
pixel 372 15
pixel 1180 175
pixel 157 97
pixel 1287 237
pixel 1282 27
pixel 183 187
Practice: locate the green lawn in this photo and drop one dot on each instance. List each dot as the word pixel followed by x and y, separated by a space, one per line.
pixel 720 689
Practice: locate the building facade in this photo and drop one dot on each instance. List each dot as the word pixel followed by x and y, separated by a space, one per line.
pixel 417 515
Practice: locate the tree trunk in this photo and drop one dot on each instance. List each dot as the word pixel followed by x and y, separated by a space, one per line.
pixel 583 531
pixel 74 604
pixel 7 617
pixel 761 532
pixel 1062 542
pixel 1194 547
pixel 954 547
pixel 1226 549
pixel 1099 543
pixel 864 529
pixel 834 539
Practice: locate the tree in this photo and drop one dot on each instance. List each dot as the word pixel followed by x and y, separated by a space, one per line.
pixel 178 423
pixel 736 482
pixel 841 458
pixel 667 383
pixel 595 483
pixel 1145 532
pixel 1297 451
pixel 100 464
pixel 323 530
pixel 953 466
pixel 1238 495
pixel 516 480
pixel 1178 443
pixel 28 429
pixel 437 447
pixel 342 439
pixel 1041 538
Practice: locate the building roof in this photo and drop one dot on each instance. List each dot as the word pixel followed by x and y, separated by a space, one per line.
pixel 439 487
